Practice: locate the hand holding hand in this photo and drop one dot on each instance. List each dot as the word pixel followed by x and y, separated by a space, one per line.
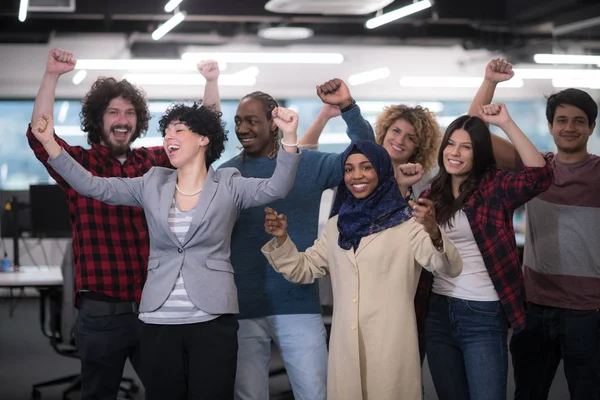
pixel 209 70
pixel 334 92
pixel 408 174
pixel 60 62
pixel 495 114
pixel 43 129
pixel 498 70
pixel 275 224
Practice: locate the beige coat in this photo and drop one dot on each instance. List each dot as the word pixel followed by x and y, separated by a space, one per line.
pixel 373 352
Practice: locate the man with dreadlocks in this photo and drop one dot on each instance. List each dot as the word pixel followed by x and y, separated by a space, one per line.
pixel 271 308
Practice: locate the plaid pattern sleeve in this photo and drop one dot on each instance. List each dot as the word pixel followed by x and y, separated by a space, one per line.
pixel 110 243
pixel 490 212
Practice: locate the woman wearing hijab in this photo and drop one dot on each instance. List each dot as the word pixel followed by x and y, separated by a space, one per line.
pixel 374 251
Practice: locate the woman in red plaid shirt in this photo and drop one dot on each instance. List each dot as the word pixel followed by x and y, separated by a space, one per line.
pixel 469 316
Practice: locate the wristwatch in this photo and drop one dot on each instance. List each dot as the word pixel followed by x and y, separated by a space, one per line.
pixel 349 106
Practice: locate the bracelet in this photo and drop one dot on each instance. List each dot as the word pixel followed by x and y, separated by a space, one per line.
pixel 289 145
pixel 349 106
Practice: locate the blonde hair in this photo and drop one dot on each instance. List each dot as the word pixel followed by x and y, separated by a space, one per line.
pixel 428 131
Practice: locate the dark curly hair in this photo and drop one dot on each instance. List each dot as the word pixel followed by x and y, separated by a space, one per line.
pixel 96 100
pixel 203 121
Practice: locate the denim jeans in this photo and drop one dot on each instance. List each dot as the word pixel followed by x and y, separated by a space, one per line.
pixel 552 334
pixel 467 348
pixel 302 341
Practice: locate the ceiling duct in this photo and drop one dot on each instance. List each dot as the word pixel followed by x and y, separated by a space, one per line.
pixel 326 7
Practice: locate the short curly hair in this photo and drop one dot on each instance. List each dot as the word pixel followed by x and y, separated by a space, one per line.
pixel 202 120
pixel 429 133
pixel 96 100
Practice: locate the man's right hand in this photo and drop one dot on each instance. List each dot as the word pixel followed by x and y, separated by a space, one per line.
pixel 498 70
pixel 334 92
pixel 60 62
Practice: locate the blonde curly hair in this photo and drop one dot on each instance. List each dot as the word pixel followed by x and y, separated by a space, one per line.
pixel 428 131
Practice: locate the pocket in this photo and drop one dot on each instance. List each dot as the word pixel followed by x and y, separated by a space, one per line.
pixel 88 322
pixel 219 265
pixel 153 264
pixel 485 308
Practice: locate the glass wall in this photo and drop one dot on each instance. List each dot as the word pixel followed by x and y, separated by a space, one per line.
pixel 19 168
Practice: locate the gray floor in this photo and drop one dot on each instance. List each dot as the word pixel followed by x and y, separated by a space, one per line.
pixel 27 358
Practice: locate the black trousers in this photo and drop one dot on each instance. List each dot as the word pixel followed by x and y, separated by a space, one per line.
pixel 106 335
pixel 191 361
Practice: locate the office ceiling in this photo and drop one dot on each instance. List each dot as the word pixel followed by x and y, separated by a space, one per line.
pixel 517 27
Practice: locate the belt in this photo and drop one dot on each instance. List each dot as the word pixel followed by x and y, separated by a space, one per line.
pixel 97 308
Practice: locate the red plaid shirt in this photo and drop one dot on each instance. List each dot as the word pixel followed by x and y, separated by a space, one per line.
pixel 110 243
pixel 490 213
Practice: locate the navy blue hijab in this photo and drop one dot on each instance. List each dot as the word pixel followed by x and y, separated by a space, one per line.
pixel 382 209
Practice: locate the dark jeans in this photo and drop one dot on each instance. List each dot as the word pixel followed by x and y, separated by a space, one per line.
pixel 191 361
pixel 105 338
pixel 467 349
pixel 552 334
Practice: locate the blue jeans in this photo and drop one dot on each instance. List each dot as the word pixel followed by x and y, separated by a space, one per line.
pixel 466 348
pixel 302 341
pixel 552 334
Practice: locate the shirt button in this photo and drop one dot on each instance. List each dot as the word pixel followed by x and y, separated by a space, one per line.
pixel 355 271
pixel 354 299
pixel 180 250
pixel 353 326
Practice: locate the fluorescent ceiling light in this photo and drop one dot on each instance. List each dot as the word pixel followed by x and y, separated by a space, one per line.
pixel 266 58
pixel 168 26
pixel 452 82
pixel 170 6
pixel 577 83
pixel 23 10
pixel 369 76
pixel 62 112
pixel 397 14
pixel 141 65
pixel 534 73
pixel 189 79
pixel 285 33
pixel 565 59
pixel 377 106
pixel 79 76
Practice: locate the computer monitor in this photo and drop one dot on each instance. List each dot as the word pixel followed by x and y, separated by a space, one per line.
pixel 50 216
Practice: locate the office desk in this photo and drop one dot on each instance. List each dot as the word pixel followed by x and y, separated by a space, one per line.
pixel 41 278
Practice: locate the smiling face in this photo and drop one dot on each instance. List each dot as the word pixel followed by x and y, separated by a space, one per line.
pixel 400 141
pixel 570 129
pixel 360 176
pixel 458 154
pixel 254 131
pixel 118 126
pixel 182 145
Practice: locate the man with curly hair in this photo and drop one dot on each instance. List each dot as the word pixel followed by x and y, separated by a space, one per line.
pixel 110 243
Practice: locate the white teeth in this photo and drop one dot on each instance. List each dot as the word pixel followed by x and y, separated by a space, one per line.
pixel 360 186
pixel 396 148
pixel 120 130
pixel 172 147
pixel 454 162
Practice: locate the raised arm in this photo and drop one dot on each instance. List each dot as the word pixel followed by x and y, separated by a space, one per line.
pixel 498 115
pixel 285 258
pixel 336 92
pixel 58 62
pixel 252 192
pixel 210 71
pixel 496 71
pixel 310 139
pixel 116 191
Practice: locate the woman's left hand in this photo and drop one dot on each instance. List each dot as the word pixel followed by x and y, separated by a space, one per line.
pixel 424 213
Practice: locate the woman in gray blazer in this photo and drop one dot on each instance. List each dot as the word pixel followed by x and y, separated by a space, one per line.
pixel 189 335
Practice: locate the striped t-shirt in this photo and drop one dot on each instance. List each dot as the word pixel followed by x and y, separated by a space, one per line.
pixel 178 309
pixel 561 264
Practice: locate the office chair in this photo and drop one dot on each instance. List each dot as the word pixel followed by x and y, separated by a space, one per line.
pixel 59 311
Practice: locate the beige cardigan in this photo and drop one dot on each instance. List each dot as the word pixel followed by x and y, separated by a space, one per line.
pixel 374 351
